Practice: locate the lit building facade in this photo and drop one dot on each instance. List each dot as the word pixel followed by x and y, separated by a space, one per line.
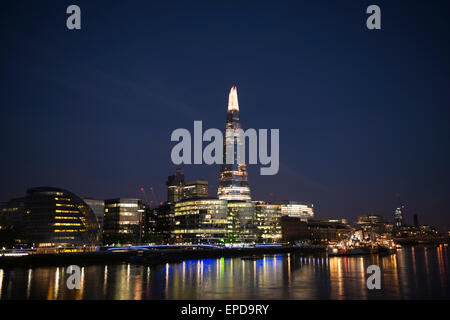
pixel 201 220
pixel 57 217
pixel 233 181
pixel 268 222
pixel 369 219
pixel 242 225
pixel 297 209
pixel 373 223
pixel 175 185
pixel 195 189
pixel 398 217
pixel 123 220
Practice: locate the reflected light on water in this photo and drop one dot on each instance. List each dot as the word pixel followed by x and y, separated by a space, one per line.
pixel 1 282
pixel 29 279
pixel 411 273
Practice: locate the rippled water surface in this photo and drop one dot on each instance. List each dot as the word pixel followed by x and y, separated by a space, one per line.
pixel 411 273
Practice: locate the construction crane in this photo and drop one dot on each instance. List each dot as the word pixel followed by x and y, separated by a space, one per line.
pixel 145 195
pixel 155 197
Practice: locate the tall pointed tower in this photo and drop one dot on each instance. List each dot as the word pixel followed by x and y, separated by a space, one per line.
pixel 233 183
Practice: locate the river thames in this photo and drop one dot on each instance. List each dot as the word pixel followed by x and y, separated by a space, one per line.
pixel 411 273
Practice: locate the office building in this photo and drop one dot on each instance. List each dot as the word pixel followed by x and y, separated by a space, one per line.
pixel 175 185
pixel 164 222
pixel 268 222
pixel 195 189
pixel 297 209
pixel 201 220
pixel 242 225
pixel 123 221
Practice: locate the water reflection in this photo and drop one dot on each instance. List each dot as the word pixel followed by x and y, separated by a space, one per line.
pixel 411 273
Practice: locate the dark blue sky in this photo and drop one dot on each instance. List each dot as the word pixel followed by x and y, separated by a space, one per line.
pixel 363 115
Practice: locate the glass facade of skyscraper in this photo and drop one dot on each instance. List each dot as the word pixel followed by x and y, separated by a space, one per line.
pixel 233 181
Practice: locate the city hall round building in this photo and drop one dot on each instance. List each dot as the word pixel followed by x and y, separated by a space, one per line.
pixel 56 216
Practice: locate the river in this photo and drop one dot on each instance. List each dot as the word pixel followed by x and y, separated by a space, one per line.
pixel 411 273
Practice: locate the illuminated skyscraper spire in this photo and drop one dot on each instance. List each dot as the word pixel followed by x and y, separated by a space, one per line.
pixel 233 183
pixel 233 99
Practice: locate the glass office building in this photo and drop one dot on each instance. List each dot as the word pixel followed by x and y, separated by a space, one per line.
pixel 241 221
pixel 268 222
pixel 202 220
pixel 123 221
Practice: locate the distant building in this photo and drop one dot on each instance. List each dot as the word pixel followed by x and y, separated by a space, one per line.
pixel 297 209
pixel 416 221
pixel 325 230
pixel 123 220
pixel 371 224
pixel 398 216
pixel 202 220
pixel 319 231
pixel 195 189
pixel 175 185
pixel 12 217
pixel 369 219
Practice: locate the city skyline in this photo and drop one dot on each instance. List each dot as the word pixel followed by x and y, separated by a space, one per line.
pixel 224 158
pixel 356 129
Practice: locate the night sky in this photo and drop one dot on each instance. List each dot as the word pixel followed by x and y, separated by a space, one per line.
pixel 363 115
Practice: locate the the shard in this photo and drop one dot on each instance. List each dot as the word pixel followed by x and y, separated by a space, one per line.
pixel 233 183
